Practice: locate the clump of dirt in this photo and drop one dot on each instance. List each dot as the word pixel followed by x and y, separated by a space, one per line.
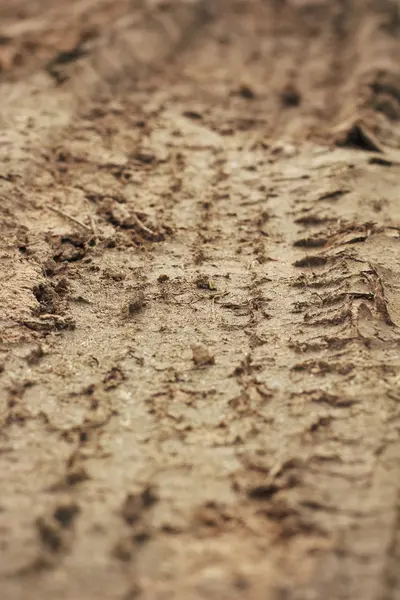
pixel 202 356
pixel 135 303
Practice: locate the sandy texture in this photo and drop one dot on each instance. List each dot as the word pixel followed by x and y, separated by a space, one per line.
pixel 200 300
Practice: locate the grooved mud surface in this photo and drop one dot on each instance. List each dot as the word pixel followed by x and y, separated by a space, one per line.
pixel 200 300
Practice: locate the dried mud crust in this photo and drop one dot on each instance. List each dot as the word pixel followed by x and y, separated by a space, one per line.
pixel 200 302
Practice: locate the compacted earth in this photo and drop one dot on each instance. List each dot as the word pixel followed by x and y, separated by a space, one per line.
pixel 200 300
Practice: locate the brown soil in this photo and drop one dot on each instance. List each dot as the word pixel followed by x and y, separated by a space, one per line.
pixel 200 300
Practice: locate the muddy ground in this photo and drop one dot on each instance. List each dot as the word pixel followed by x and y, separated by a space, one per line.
pixel 200 300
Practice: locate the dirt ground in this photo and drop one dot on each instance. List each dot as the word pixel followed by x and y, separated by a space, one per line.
pixel 200 300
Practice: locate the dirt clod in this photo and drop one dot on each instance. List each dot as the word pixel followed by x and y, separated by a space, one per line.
pixel 66 512
pixel 204 283
pixel 201 355
pixel 162 278
pixel 136 504
pixel 290 96
pixel 135 303
pixel 49 534
pixel 245 91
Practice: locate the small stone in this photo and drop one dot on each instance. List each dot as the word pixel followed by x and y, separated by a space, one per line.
pixel 202 356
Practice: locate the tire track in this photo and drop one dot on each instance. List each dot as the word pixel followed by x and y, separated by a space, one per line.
pixel 345 291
